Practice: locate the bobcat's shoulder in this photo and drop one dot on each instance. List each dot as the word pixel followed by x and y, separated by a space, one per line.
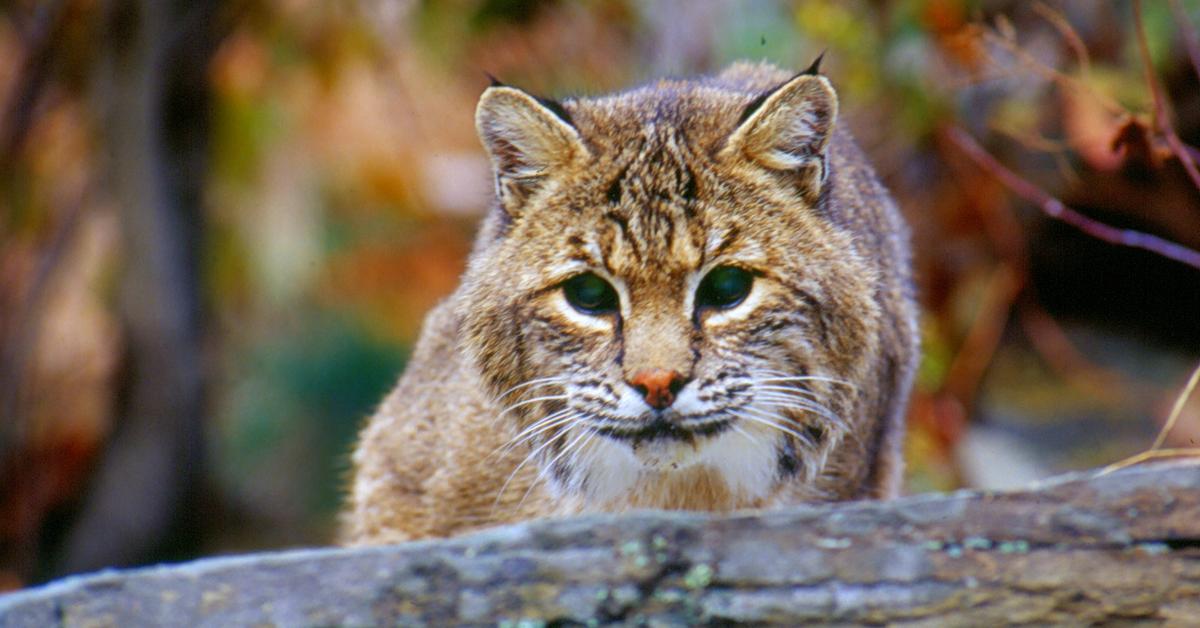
pixel 693 294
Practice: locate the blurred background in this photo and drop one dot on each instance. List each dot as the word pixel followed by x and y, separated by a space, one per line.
pixel 222 222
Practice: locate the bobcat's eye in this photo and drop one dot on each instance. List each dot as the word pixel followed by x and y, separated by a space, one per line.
pixel 590 294
pixel 724 287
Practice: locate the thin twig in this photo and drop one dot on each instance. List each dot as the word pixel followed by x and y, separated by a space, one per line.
pixel 1192 151
pixel 1191 41
pixel 1034 141
pixel 1055 208
pixel 1064 81
pixel 1177 409
pixel 1060 24
pixel 1162 116
pixel 977 350
pixel 22 333
pixel 1154 454
pixel 32 78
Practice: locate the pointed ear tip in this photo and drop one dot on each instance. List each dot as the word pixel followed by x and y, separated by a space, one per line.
pixel 485 100
pixel 826 84
pixel 495 94
pixel 492 106
pixel 814 68
pixel 808 85
pixel 498 88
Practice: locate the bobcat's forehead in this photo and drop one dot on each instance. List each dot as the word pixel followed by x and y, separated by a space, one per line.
pixel 665 116
pixel 653 201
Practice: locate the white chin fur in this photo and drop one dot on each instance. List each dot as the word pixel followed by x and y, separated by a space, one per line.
pixel 610 470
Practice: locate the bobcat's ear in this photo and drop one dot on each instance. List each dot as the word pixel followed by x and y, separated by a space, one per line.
pixel 788 129
pixel 526 139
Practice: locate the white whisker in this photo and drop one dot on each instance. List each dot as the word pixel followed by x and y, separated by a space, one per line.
pixel 546 381
pixel 786 376
pixel 768 421
pixel 545 425
pixel 533 454
pixel 788 389
pixel 549 467
pixel 746 435
pixel 791 398
pixel 586 432
pixel 575 457
pixel 538 423
pixel 527 402
pixel 803 405
pixel 806 378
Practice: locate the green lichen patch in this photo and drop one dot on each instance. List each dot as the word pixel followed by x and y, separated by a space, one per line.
pixel 698 577
pixel 976 543
pixel 1013 547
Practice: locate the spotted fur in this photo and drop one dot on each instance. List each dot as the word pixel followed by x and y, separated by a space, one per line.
pixel 517 405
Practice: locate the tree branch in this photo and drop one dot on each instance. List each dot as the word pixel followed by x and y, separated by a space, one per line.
pixel 1083 550
pixel 1162 116
pixel 1190 40
pixel 1055 208
pixel 33 76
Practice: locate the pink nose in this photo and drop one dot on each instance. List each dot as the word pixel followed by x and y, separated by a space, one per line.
pixel 658 386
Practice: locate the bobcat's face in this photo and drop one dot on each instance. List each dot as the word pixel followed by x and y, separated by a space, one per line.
pixel 664 300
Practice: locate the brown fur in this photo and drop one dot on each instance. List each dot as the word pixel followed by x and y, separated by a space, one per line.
pixel 648 189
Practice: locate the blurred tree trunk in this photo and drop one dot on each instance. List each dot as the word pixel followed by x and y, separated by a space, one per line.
pixel 152 95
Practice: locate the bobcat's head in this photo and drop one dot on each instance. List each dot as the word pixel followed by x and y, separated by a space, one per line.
pixel 662 303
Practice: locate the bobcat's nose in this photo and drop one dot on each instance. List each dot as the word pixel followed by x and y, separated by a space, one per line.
pixel 658 386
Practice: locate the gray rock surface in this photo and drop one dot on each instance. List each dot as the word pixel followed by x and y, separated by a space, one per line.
pixel 1121 547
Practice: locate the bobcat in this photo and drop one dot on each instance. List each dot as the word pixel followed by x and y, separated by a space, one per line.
pixel 691 295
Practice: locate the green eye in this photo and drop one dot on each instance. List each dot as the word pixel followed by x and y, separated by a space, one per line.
pixel 724 287
pixel 590 294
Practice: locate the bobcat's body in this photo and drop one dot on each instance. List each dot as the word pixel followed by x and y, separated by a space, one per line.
pixel 794 393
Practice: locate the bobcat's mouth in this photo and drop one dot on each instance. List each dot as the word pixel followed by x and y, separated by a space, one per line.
pixel 666 427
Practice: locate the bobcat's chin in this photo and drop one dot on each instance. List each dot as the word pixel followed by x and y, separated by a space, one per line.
pixel 722 466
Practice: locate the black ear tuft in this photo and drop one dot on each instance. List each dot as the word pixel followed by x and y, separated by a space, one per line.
pixel 815 68
pixel 755 104
pixel 557 108
pixel 493 81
